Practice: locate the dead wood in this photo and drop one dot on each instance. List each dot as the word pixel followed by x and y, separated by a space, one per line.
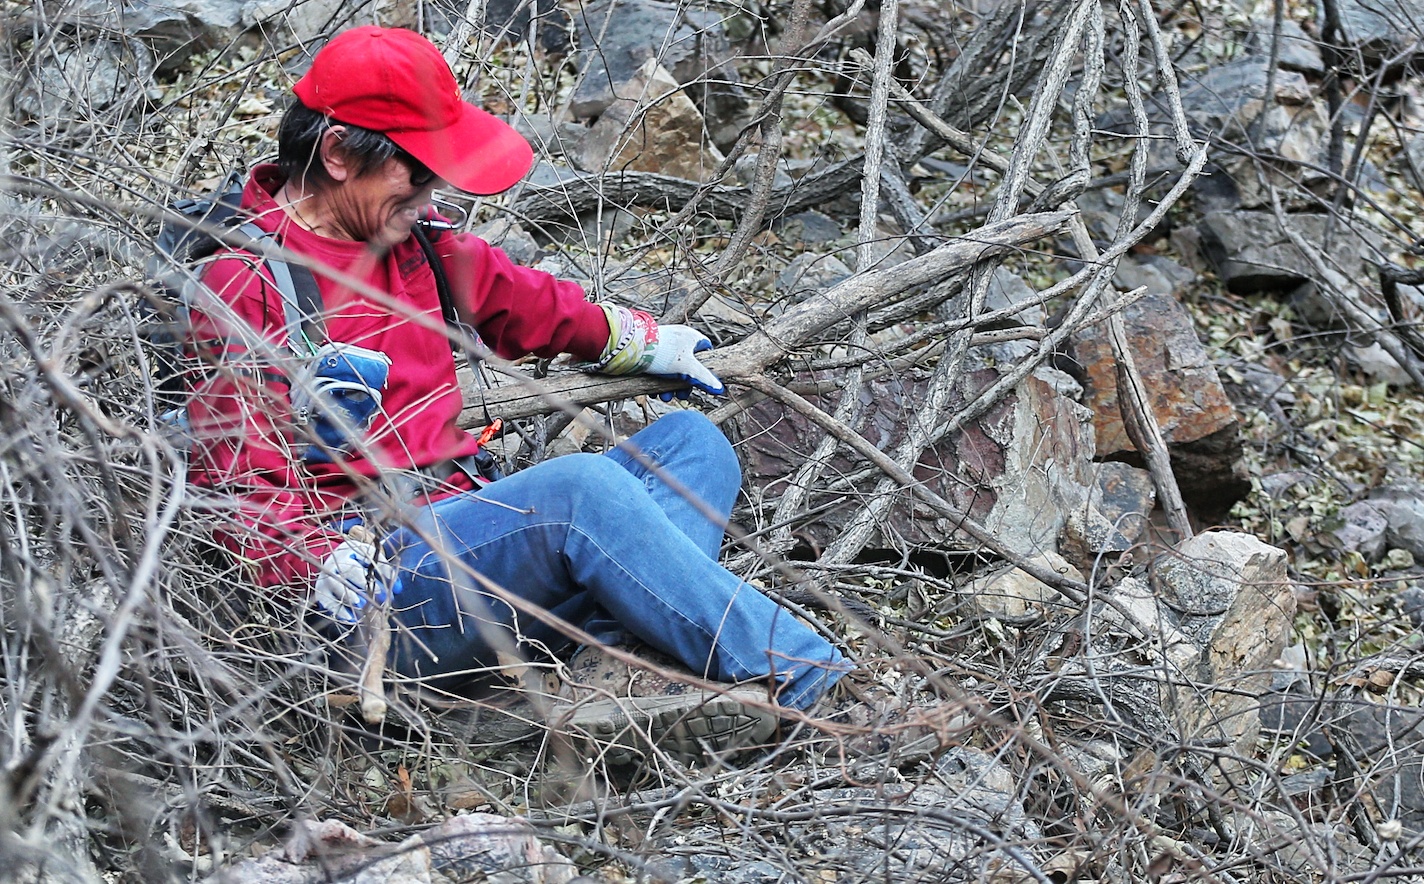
pixel 783 335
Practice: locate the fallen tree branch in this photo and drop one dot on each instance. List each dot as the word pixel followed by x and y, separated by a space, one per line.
pixel 795 328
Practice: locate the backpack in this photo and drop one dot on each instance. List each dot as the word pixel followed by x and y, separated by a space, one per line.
pixel 195 229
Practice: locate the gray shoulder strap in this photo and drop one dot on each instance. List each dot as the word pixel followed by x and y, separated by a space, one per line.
pixel 301 298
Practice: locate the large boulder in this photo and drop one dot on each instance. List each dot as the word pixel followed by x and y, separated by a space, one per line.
pixel 309 22
pixel 1019 469
pixel 617 37
pixel 1236 605
pixel 1230 102
pixel 1376 31
pixel 1297 51
pixel 1012 593
pixel 1197 419
pixel 652 127
pixel 172 29
pixel 1252 253
pixel 1358 528
pixel 83 79
pixel 1387 741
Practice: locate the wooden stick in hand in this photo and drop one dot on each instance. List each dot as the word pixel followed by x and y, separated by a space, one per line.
pixel 376 636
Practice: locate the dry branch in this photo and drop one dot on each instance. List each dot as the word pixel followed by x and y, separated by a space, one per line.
pixel 794 329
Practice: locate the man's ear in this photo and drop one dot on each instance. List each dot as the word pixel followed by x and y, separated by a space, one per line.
pixel 333 155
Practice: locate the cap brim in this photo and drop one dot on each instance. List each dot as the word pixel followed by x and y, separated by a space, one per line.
pixel 480 154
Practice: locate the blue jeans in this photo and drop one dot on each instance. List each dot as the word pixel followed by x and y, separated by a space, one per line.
pixel 602 543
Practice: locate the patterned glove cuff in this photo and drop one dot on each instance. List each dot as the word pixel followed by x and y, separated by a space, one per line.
pixel 632 341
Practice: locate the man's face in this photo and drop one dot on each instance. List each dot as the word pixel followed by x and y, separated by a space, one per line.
pixel 381 204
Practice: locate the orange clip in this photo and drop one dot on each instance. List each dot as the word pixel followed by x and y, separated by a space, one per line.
pixel 489 432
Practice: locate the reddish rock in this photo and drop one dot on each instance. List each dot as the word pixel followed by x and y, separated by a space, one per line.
pixel 1196 417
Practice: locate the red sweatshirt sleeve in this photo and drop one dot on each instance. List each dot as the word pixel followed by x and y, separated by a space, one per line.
pixel 518 310
pixel 237 411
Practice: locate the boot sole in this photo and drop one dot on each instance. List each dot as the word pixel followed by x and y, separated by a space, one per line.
pixel 685 726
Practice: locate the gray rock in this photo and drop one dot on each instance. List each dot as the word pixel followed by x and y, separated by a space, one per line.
pixel 1135 608
pixel 1011 592
pixel 1293 668
pixel 652 126
pixel 616 38
pixel 511 238
pixel 968 785
pixel 1295 716
pixel 1158 274
pixel 173 29
pixel 1359 527
pixel 744 172
pixel 547 183
pixel 1411 160
pixel 82 80
pixel 1252 253
pixel 1006 289
pixel 309 22
pixel 1236 604
pixel 702 865
pixel 1388 741
pixel 1375 363
pixel 1277 484
pixel 810 272
pixel 809 230
pixel 1254 385
pixel 1101 210
pixel 936 834
pixel 1292 126
pixel 1401 502
pixel 550 138
pixel 542 22
pixel 1298 50
pixel 1308 785
pixel 1410 602
pixel 1380 29
pixel 1224 94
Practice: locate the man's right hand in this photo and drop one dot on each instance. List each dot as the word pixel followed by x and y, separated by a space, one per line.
pixel 353 574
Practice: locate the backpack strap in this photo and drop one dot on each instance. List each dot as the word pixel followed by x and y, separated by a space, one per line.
pixel 302 304
pixel 421 230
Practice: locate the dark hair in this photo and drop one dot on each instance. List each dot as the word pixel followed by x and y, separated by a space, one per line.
pixel 299 145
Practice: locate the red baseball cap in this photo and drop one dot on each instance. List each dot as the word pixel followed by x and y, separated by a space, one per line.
pixel 396 82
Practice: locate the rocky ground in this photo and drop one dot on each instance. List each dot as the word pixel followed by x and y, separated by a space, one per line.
pixel 1098 443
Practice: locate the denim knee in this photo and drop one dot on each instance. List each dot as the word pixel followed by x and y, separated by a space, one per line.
pixel 585 478
pixel 689 433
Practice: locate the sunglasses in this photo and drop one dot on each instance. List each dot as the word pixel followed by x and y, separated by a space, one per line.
pixel 420 174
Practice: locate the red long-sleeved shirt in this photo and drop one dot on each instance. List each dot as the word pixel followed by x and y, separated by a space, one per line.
pixel 281 506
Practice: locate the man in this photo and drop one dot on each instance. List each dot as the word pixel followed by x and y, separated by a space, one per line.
pixel 306 447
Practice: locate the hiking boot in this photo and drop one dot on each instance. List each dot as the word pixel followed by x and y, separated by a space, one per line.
pixel 620 711
pixel 687 726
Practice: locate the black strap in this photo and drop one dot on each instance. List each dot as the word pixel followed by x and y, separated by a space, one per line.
pixel 452 319
pixel 442 282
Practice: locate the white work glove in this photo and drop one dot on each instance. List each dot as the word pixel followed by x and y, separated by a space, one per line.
pixel 637 344
pixel 674 355
pixel 352 575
